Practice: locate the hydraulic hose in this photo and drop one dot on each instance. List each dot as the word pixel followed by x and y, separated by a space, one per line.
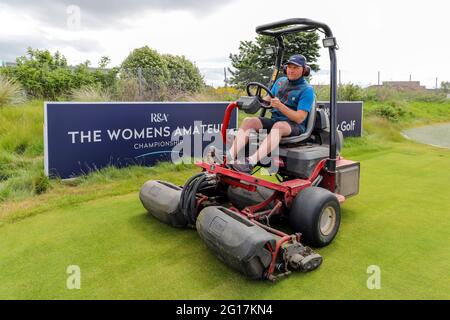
pixel 188 199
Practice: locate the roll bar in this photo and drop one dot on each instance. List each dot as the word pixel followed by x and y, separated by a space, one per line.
pixel 296 25
pixel 281 28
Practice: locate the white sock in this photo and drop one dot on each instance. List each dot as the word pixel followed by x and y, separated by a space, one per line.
pixel 252 160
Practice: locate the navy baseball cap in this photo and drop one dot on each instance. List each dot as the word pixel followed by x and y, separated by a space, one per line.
pixel 297 59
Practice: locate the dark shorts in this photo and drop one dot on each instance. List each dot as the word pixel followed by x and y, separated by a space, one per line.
pixel 267 124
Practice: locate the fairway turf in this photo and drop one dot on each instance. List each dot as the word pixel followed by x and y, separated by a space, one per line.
pixel 400 222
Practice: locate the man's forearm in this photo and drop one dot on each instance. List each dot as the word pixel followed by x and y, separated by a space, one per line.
pixel 291 114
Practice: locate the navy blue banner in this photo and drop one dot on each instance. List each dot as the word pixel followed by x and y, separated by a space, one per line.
pixel 81 137
pixel 349 117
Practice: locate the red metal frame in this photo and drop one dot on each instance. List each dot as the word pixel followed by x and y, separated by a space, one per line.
pixel 285 192
pixel 225 124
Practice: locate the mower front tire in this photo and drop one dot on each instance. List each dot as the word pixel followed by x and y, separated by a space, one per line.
pixel 315 213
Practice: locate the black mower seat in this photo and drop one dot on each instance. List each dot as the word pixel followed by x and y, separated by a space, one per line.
pixel 286 140
pixel 309 129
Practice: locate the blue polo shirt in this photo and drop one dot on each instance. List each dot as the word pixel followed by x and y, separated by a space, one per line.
pixel 297 95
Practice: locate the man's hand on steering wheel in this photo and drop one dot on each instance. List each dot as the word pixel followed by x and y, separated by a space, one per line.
pixel 276 103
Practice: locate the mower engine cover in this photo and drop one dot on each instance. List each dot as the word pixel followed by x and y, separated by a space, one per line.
pixel 236 241
pixel 161 200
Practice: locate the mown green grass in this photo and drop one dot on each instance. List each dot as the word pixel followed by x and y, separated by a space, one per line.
pixel 399 222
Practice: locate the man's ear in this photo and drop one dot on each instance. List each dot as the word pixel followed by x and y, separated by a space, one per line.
pixel 306 71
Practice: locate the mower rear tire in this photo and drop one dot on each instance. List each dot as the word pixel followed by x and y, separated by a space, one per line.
pixel 315 213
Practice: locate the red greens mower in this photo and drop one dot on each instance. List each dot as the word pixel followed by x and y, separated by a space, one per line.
pixel 236 213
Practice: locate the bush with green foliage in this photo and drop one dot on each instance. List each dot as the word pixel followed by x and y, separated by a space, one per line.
pixel 393 110
pixel 159 77
pixel 48 76
pixel 350 92
pixel 322 92
pixel 148 61
pixel 183 74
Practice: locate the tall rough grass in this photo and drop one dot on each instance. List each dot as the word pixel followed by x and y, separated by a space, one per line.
pixel 387 94
pixel 351 92
pixel 91 94
pixel 21 151
pixel 11 92
pixel 215 94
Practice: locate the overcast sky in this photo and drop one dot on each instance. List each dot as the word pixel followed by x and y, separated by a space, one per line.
pixel 397 37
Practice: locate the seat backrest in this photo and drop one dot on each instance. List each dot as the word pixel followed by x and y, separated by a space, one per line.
pixel 311 120
pixel 322 120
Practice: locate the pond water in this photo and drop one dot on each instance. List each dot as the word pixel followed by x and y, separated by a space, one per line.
pixel 436 135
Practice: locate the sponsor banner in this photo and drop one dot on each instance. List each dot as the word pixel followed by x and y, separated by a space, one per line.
pixel 349 117
pixel 81 137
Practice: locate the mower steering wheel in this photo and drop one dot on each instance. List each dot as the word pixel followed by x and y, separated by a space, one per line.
pixel 258 94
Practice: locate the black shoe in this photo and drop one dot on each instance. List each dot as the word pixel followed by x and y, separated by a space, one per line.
pixel 245 167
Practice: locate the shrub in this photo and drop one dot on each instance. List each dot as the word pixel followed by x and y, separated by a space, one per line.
pixel 393 111
pixel 41 74
pixel 445 86
pixel 149 65
pixel 350 92
pixel 183 74
pixel 158 77
pixel 382 94
pixel 48 76
pixel 322 92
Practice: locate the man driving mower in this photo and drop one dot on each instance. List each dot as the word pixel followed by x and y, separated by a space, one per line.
pixel 293 100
